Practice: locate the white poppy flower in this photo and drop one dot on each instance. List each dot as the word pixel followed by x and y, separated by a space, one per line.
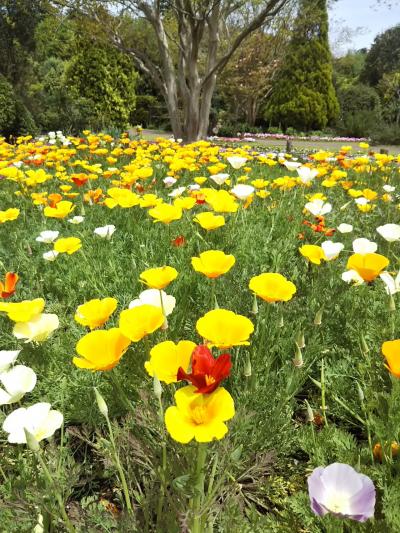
pixel 105 232
pixel 291 165
pixel 236 161
pixel 39 419
pixel 390 232
pixel 388 188
pixel 194 187
pixel 392 285
pixel 37 329
pixel 50 256
pixel 307 174
pixel 345 228
pixel 16 382
pixel 169 181
pixel 177 192
pixel 7 358
pixel 48 236
pixel 76 219
pixel 331 249
pixel 242 191
pixel 351 276
pixel 318 207
pixel 219 179
pixel 152 297
pixel 364 246
pixel 362 201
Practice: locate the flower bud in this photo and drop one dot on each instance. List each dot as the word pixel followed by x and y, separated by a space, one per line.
pixel 216 306
pixel 345 205
pixel 310 414
pixel 360 393
pixel 254 309
pixel 101 404
pixel 247 368
pixel 157 388
pixel 392 304
pixel 32 443
pixel 298 357
pixel 318 317
pixel 300 341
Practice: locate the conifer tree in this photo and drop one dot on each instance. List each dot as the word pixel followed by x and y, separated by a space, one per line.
pixel 304 96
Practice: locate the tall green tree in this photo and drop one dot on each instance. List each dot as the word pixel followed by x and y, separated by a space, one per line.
pixel 195 40
pixel 104 78
pixel 383 57
pixel 304 96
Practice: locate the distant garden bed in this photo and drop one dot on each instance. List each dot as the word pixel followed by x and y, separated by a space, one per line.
pixel 252 137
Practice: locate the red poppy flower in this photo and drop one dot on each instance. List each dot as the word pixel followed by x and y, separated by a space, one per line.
pixel 7 288
pixel 207 372
pixel 178 241
pixel 80 179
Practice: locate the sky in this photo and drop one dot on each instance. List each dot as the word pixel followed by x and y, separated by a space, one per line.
pixel 364 18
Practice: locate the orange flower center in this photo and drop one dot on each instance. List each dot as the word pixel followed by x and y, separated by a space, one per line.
pixel 209 380
pixel 199 415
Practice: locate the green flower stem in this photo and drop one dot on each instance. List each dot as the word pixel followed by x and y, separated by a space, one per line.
pixel 53 489
pixel 323 402
pixel 367 427
pixel 212 475
pixel 164 464
pixel 3 474
pixel 119 468
pixel 199 488
pixel 214 302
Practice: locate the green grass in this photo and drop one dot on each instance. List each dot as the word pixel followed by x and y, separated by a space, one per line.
pixel 262 464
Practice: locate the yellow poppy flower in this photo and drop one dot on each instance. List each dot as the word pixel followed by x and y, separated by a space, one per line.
pixel 22 311
pixel 391 351
pixel 224 329
pixel 9 214
pixel 101 349
pixel 213 263
pixel 272 287
pixel 209 221
pixel 313 253
pixel 137 322
pixel 368 266
pixel 165 213
pixel 199 416
pixel 260 183
pixel 166 358
pixel 222 201
pixel 95 313
pixel 185 203
pixel 159 278
pixel 124 198
pixel 61 209
pixel 68 245
pixel 149 200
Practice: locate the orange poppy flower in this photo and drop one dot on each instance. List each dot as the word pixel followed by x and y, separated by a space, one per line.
pixel 93 196
pixel 7 288
pixel 53 199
